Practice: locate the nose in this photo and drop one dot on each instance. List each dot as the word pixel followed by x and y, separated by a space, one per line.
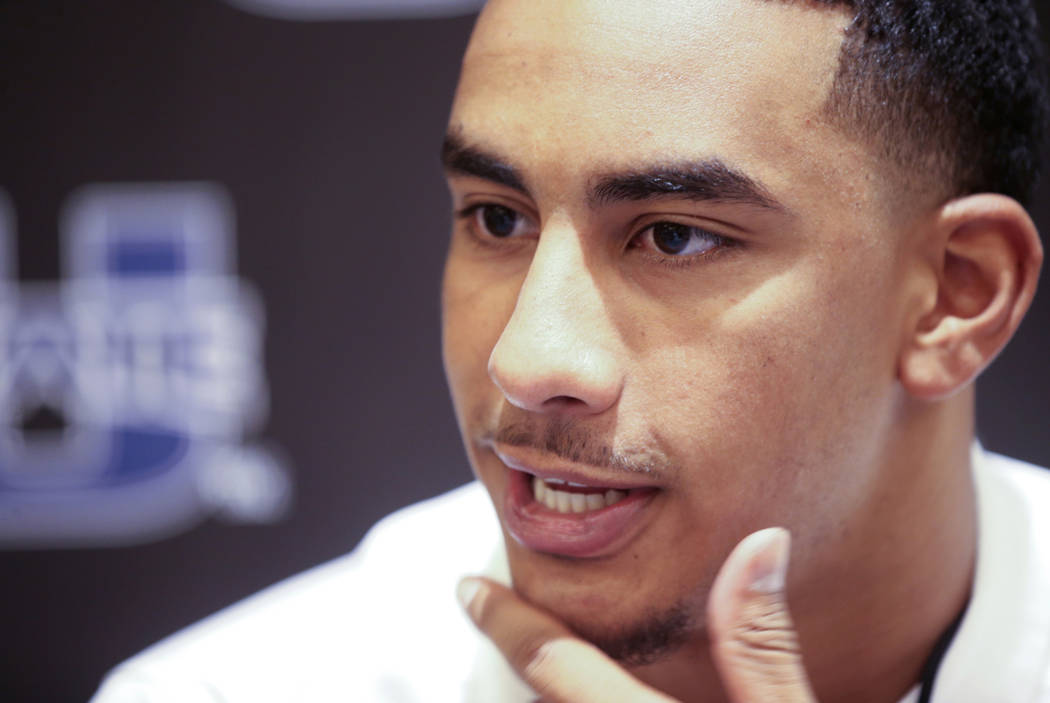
pixel 557 353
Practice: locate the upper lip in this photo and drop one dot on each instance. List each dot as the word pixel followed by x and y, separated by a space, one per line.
pixel 548 466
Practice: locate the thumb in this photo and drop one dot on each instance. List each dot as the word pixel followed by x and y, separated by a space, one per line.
pixel 754 642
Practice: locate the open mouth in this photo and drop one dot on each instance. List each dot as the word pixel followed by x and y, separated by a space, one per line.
pixel 568 497
pixel 574 519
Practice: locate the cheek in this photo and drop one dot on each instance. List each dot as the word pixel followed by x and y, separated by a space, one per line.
pixel 475 309
pixel 774 400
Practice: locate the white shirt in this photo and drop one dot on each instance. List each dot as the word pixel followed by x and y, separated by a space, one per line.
pixel 382 623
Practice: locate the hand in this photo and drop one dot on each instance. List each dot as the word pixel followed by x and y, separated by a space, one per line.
pixel 753 639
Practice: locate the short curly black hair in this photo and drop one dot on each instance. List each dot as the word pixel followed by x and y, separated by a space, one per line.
pixel 951 91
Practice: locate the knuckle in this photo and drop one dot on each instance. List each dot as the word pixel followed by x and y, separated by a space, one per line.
pixel 528 648
pixel 764 638
pixel 776 669
pixel 485 611
pixel 551 675
pixel 531 657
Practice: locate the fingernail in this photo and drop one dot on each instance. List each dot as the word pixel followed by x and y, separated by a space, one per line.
pixel 769 563
pixel 466 590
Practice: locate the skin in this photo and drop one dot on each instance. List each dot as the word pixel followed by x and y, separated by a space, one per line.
pixel 810 369
pixel 754 642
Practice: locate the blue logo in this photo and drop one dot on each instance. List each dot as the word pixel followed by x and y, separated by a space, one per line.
pixel 129 388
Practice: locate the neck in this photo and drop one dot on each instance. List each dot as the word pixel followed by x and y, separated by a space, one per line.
pixel 871 601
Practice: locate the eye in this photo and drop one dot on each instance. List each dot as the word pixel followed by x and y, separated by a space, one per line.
pixel 498 220
pixel 676 239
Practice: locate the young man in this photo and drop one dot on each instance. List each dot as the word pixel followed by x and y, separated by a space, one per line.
pixel 717 266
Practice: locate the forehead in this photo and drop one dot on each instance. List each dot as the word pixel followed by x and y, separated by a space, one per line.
pixel 546 81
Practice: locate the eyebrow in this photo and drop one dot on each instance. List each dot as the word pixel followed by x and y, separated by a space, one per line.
pixel 708 180
pixel 458 157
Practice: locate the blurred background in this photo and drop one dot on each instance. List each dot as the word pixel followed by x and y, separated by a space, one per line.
pixel 221 236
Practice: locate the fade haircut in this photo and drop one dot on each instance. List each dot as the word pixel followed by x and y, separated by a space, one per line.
pixel 952 92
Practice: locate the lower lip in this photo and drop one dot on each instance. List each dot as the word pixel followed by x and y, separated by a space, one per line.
pixel 583 535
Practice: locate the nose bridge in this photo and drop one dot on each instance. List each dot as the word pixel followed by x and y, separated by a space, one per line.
pixel 558 286
pixel 556 351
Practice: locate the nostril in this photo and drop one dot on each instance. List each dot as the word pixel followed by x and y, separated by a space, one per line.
pixel 563 402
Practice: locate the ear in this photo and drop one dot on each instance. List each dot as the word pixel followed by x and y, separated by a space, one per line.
pixel 987 258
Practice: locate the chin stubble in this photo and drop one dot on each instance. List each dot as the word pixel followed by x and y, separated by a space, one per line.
pixel 647 641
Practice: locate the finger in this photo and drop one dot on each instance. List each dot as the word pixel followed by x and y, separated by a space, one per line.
pixel 754 641
pixel 558 665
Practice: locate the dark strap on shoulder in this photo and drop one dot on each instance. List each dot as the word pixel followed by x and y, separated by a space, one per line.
pixel 933 662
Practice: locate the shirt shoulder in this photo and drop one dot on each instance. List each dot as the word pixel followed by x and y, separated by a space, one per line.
pixel 1033 481
pixel 343 630
pixel 1002 649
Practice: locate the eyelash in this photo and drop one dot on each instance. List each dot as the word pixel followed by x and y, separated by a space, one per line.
pixel 722 243
pixel 469 215
pixel 471 211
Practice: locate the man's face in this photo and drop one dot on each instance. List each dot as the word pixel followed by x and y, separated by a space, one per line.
pixel 670 279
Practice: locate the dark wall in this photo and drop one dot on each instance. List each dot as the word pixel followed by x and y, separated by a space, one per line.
pixel 326 136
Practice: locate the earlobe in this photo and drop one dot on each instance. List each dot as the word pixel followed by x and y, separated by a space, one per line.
pixel 988 261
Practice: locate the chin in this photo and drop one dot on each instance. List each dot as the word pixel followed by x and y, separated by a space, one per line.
pixel 623 619
pixel 634 639
pixel 644 640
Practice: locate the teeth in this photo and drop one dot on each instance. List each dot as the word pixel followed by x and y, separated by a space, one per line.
pixel 559 482
pixel 566 502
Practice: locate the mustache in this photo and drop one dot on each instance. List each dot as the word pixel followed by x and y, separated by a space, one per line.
pixel 571 442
